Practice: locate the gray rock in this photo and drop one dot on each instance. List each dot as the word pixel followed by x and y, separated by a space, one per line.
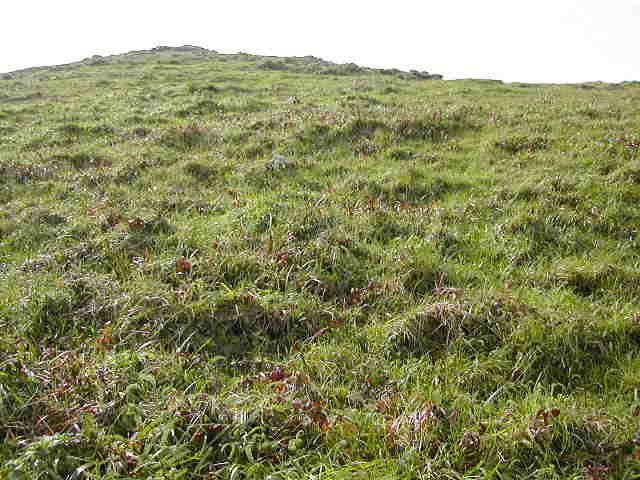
pixel 278 162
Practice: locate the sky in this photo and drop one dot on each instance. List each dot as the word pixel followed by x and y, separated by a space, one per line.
pixel 559 41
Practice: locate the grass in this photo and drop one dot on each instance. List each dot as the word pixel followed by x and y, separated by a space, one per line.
pixel 440 279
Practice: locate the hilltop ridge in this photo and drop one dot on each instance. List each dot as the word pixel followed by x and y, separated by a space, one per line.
pixel 192 54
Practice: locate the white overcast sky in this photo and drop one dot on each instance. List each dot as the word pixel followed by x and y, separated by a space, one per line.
pixel 510 40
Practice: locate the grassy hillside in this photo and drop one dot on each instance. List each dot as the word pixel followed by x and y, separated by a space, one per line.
pixel 228 266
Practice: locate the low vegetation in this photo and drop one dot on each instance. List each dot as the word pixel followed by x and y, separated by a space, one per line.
pixel 243 267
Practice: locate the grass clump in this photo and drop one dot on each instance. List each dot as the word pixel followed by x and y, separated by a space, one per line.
pixel 482 324
pixel 187 138
pixel 517 144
